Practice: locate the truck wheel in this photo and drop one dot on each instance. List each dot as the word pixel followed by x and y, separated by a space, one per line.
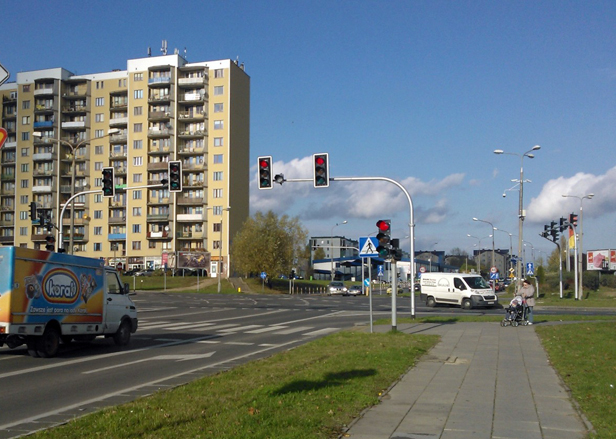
pixel 31 343
pixel 467 304
pixel 49 343
pixel 431 302
pixel 122 336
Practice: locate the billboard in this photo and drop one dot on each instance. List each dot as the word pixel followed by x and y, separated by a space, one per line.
pixel 601 260
pixel 194 260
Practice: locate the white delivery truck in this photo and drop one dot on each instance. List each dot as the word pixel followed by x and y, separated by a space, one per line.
pixel 466 290
pixel 49 297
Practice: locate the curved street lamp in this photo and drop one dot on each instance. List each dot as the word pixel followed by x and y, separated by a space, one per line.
pixel 581 251
pixel 331 249
pixel 521 212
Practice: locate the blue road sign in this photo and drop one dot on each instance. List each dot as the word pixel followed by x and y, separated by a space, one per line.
pixel 367 247
pixel 263 275
pixel 379 271
pixel 494 276
pixel 530 268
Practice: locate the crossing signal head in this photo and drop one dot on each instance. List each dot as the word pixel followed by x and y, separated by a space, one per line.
pixel 265 172
pixel 108 182
pixel 33 211
pixel 573 218
pixel 383 236
pixel 50 243
pixel 562 227
pixel 175 176
pixel 321 169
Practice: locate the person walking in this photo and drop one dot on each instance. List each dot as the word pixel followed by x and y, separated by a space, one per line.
pixel 528 294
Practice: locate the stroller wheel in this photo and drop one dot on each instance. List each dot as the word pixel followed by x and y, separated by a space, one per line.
pixel 514 324
pixel 503 322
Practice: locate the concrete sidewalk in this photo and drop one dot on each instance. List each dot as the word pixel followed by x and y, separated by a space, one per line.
pixel 480 381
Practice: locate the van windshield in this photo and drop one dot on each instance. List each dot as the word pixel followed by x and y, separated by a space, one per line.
pixel 476 282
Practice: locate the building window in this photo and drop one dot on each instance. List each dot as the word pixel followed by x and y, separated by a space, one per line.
pixel 24 184
pixel 25 136
pixel 218 108
pixel 25 120
pixel 99 133
pixel 217 176
pixel 98 198
pixel 216 245
pixel 137 144
pixel 98 166
pixel 98 230
pixel 25 105
pixel 218 124
pixel 23 231
pixel 24 167
pixel 216 227
pixel 136 211
pixel 136 245
pixel 138 76
pixel 217 210
pixel 25 88
pixel 137 178
pixel 98 247
pixel 218 90
pixel 138 127
pixel 137 195
pixel 219 73
pixel 137 161
pixel 218 141
pixel 23 215
pixel 218 158
pixel 99 102
pixel 99 117
pixel 138 111
pixel 138 94
pixel 98 214
pixel 23 199
pixel 25 152
pixel 136 228
pixel 98 182
pixel 98 149
pixel 217 193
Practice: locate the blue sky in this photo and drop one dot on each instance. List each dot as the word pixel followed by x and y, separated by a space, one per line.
pixel 421 92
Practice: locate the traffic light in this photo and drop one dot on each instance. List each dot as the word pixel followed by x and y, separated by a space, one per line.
pixel 546 231
pixel 573 219
pixel 33 211
pixel 396 252
pixel 51 243
pixel 384 236
pixel 321 169
pixel 553 231
pixel 562 225
pixel 175 176
pixel 265 172
pixel 108 182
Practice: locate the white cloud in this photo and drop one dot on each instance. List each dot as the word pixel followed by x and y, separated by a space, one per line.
pixel 356 199
pixel 550 203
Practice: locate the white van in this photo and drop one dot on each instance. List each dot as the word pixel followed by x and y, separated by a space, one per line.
pixel 466 290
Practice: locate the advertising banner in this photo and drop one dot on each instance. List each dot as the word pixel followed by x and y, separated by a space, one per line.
pixel 194 260
pixel 601 260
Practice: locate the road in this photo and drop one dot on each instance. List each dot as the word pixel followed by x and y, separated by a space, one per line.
pixel 181 337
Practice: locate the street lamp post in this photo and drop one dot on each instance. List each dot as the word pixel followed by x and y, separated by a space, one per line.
pixel 581 251
pixel 331 249
pixel 479 249
pixel 492 235
pixel 521 212
pixel 510 241
pixel 74 147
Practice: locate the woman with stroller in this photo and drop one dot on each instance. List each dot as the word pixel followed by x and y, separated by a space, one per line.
pixel 528 294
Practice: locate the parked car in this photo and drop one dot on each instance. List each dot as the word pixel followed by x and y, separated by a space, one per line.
pixel 132 272
pixel 336 287
pixel 354 290
pixel 148 272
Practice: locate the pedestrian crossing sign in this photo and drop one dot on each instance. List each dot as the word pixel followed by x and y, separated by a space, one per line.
pixel 367 247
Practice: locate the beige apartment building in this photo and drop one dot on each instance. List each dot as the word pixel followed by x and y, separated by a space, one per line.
pixel 63 129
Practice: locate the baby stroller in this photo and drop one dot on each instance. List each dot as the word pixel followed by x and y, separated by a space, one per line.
pixel 515 313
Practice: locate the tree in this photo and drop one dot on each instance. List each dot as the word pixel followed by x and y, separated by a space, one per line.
pixel 319 253
pixel 270 244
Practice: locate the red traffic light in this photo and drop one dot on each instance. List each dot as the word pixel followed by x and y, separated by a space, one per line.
pixel 384 225
pixel 265 172
pixel 321 170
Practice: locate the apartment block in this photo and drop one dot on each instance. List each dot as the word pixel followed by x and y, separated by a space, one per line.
pixel 63 129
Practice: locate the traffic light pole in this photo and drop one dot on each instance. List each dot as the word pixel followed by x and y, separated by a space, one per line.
pixel 560 265
pixel 61 228
pixel 280 179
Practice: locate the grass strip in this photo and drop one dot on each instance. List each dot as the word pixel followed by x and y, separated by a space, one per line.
pixel 585 357
pixel 310 392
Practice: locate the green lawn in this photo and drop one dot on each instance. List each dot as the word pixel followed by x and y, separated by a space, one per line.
pixel 309 392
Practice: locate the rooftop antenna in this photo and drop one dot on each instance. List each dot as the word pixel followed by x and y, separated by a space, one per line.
pixel 149 51
pixel 163 49
pixel 185 52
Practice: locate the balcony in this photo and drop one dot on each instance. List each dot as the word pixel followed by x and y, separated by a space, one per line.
pixel 187 150
pixel 192 133
pixel 9 145
pixel 184 200
pixel 194 217
pixel 158 166
pixel 117 237
pixel 118 121
pixel 160 149
pixel 159 235
pixel 159 98
pixel 193 97
pixel 117 220
pixel 191 82
pixel 78 124
pixel 7 223
pixel 43 172
pixel 43 124
pixel 155 132
pixel 7 239
pixel 161 200
pixel 44 91
pixel 190 116
pixel 159 80
pixel 190 235
pixel 41 109
pixel 41 189
pixel 118 138
pixel 159 115
pixel 119 105
pixel 193 166
pixel 154 217
pixel 44 156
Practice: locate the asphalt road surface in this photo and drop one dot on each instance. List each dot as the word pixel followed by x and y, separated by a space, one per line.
pixel 181 337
